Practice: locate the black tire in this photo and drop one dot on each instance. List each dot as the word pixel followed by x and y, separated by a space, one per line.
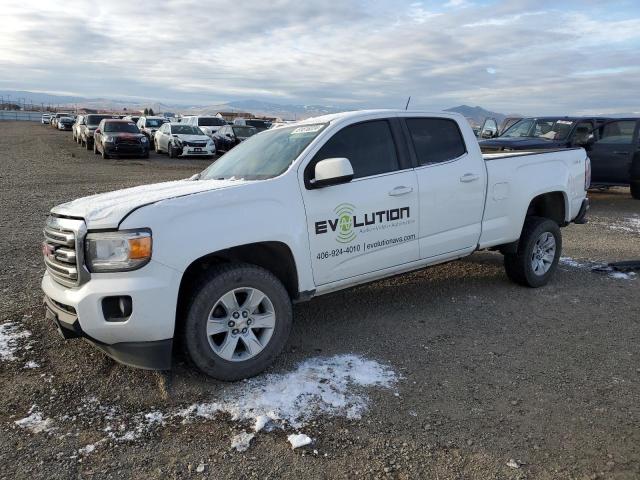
pixel 212 285
pixel 635 190
pixel 170 151
pixel 519 266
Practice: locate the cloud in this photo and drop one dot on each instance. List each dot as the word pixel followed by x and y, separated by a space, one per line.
pixel 550 59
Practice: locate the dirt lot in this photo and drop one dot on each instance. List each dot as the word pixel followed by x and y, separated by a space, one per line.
pixel 488 373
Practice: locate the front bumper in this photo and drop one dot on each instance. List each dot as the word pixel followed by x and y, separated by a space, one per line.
pixel 144 338
pixel 118 149
pixel 197 151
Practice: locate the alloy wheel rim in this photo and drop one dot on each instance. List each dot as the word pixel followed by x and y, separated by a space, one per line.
pixel 544 252
pixel 240 324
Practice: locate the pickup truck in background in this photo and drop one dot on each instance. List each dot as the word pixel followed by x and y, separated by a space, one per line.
pixel 539 133
pixel 614 150
pixel 216 261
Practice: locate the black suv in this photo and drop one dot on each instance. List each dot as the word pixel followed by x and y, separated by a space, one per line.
pixel 119 138
pixel 87 127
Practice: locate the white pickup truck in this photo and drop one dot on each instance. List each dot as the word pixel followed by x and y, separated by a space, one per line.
pixel 215 261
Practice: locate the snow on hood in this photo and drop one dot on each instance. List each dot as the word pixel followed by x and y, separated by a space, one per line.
pixel 106 210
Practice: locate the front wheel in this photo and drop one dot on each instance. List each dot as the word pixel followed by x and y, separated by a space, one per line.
pixel 538 253
pixel 238 320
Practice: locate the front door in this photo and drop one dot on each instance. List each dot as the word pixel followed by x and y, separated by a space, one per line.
pixel 370 223
pixel 612 152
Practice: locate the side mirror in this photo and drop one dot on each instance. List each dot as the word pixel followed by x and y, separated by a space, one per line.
pixel 332 171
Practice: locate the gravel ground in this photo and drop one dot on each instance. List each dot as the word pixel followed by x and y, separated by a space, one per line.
pixel 495 381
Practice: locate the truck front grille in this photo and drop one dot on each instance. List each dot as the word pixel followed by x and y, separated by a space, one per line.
pixel 62 250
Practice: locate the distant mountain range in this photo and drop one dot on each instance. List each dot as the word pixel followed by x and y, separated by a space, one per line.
pixel 478 114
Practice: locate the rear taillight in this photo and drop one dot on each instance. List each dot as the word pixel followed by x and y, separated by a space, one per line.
pixel 587 173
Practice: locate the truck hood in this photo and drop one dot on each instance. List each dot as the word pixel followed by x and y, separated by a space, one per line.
pixel 521 143
pixel 106 210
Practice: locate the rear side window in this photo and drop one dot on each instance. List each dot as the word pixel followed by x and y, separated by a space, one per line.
pixel 435 140
pixel 369 147
pixel 617 132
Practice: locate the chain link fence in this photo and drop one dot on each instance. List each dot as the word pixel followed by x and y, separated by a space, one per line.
pixel 20 115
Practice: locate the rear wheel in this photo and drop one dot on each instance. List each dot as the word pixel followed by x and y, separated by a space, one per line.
pixel 538 252
pixel 238 320
pixel 635 190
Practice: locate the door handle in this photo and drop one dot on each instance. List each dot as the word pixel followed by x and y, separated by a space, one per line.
pixel 400 190
pixel 469 177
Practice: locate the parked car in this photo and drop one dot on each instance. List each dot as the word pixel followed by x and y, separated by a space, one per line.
pixel 260 125
pixel 75 128
pixel 88 127
pixel 538 133
pixel 132 118
pixel 149 126
pixel 58 116
pixel 208 124
pixel 231 135
pixel 119 138
pixel 614 150
pixel 180 140
pixel 290 214
pixel 65 123
pixel 45 119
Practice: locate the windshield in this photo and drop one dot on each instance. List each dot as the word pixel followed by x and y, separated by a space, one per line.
pixel 210 122
pixel 244 132
pixel 549 128
pixel 128 127
pixel 154 122
pixel 263 156
pixel 94 120
pixel 186 130
pixel 259 124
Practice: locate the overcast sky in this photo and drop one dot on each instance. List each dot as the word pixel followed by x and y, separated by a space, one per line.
pixel 530 57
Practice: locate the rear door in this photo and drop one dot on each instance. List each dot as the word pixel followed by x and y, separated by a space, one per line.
pixel 452 185
pixel 370 223
pixel 612 152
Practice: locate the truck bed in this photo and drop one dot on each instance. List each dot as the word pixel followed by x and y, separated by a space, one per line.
pixel 522 153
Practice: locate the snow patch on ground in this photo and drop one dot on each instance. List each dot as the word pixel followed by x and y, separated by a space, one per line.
pixel 629 224
pixel 599 268
pixel 319 386
pixel 299 440
pixel 31 364
pixel 242 441
pixel 11 334
pixel 34 422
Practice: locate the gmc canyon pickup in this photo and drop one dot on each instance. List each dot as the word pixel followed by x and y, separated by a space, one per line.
pixel 215 261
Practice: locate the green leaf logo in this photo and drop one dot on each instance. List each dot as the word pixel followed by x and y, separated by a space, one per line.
pixel 345 229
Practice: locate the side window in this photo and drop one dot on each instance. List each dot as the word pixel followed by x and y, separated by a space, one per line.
pixel 620 133
pixel 369 147
pixel 435 140
pixel 581 133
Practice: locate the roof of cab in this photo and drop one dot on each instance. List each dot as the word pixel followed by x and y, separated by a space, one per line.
pixel 355 114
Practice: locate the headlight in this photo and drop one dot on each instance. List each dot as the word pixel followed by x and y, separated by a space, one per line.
pixel 118 251
pixel 108 138
pixel 144 140
pixel 210 143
